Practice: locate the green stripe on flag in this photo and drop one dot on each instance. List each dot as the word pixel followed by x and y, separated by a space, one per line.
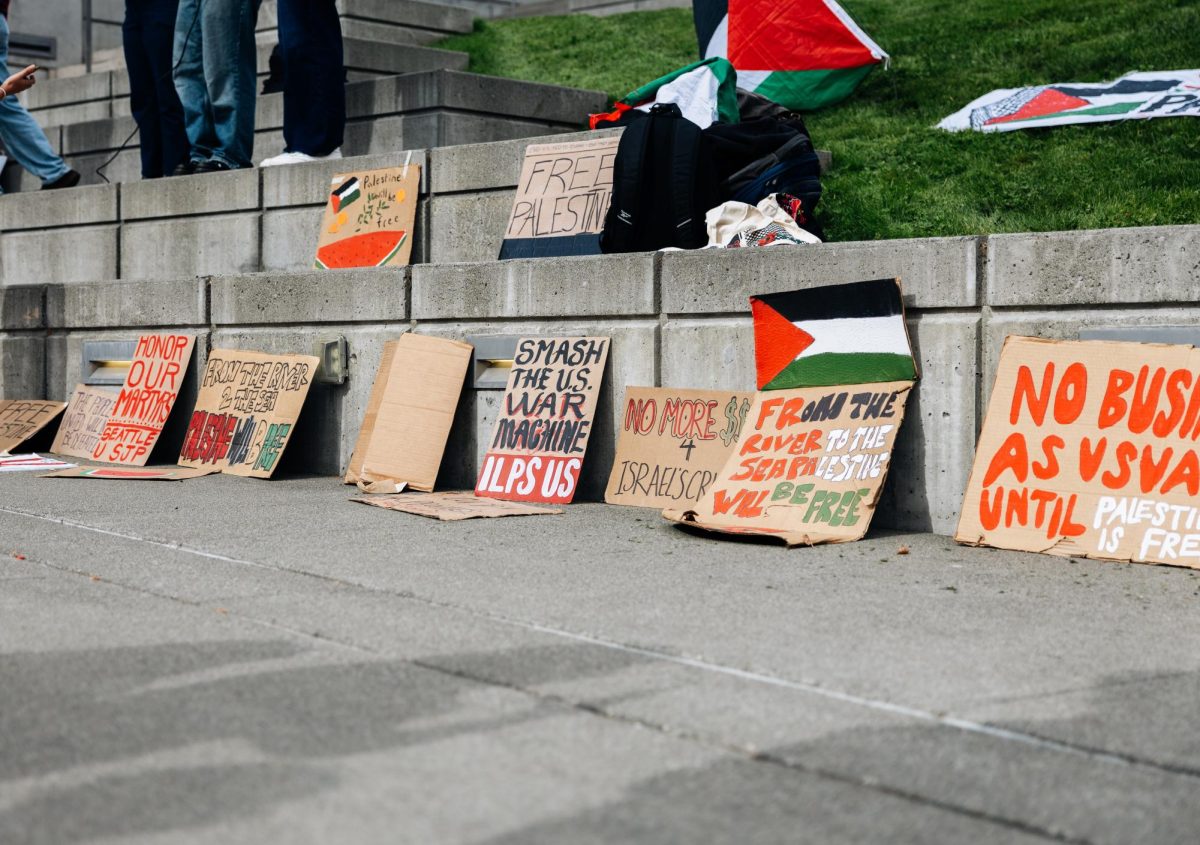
pixel 833 368
pixel 806 90
pixel 1115 108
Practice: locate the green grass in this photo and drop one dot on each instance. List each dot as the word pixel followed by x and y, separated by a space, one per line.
pixel 894 175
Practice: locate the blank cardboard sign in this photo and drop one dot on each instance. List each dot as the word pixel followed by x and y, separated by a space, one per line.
pixel 1089 449
pixel 673 443
pixel 452 506
pixel 86 415
pixel 246 411
pixel 132 473
pixel 369 219
pixel 410 411
pixel 541 433
pixel 21 419
pixel 809 465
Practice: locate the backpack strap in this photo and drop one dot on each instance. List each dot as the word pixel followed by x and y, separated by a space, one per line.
pixel 620 224
pixel 685 160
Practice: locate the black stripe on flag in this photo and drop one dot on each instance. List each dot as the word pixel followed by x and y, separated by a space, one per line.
pixel 708 15
pixel 878 298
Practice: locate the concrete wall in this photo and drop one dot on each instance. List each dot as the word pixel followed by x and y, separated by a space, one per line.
pixel 675 318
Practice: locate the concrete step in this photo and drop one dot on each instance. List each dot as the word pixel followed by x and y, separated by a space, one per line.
pixel 393 22
pixel 417 110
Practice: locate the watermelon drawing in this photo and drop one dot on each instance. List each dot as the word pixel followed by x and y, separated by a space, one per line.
pixel 372 249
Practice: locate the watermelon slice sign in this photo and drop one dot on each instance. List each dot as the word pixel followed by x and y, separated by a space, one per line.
pixel 371 249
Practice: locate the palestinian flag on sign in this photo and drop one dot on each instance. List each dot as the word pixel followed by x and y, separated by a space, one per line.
pixel 346 194
pixel 803 54
pixel 841 334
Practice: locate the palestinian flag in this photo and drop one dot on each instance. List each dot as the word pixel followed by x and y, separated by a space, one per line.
pixel 803 54
pixel 344 195
pixel 705 91
pixel 842 334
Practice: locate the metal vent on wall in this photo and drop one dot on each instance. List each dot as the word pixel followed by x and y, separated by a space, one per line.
pixel 492 361
pixel 106 362
pixel 33 46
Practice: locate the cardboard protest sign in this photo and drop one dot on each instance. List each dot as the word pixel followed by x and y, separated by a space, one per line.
pixel 452 507
pixel 247 408
pixel 21 419
pixel 809 466
pixel 145 401
pixel 410 411
pixel 30 463
pixel 133 473
pixel 561 201
pixel 369 219
pixel 1089 448
pixel 838 334
pixel 541 434
pixel 673 443
pixel 1134 96
pixel 86 415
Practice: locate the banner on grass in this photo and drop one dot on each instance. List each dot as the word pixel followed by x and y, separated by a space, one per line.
pixel 1089 448
pixel 545 420
pixel 1134 96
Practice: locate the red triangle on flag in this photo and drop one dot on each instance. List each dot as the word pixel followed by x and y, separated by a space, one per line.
pixel 777 341
pixel 1044 104
pixel 795 35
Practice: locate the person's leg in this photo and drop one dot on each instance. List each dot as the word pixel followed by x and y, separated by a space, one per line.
pixel 230 60
pixel 143 99
pixel 188 54
pixel 158 37
pixel 22 137
pixel 314 94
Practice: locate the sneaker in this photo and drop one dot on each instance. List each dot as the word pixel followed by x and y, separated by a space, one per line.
pixel 212 166
pixel 299 158
pixel 68 180
pixel 186 168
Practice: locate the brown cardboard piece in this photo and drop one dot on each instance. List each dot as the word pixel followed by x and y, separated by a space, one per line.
pixel 673 443
pixel 562 198
pixel 545 420
pixel 145 401
pixel 246 411
pixel 369 219
pixel 453 506
pixel 1089 449
pixel 108 473
pixel 410 411
pixel 809 465
pixel 21 419
pixel 87 412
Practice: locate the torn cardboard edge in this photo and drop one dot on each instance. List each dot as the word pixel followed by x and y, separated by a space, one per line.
pixel 453 506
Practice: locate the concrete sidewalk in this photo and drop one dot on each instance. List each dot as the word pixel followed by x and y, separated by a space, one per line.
pixel 225 660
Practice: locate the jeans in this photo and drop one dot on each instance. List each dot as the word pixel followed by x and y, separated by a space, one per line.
pixel 149 32
pixel 22 137
pixel 215 75
pixel 314 93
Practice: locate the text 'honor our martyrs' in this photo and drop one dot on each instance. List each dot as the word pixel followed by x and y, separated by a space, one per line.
pixel 545 419
pixel 1096 451
pixel 145 401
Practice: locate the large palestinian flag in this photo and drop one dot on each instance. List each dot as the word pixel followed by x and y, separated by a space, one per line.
pixel 803 54
pixel 841 334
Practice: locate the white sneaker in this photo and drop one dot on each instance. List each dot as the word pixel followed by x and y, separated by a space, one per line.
pixel 298 158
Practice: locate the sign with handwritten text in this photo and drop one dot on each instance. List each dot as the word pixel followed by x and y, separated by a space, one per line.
pixel 86 415
pixel 369 219
pixel 246 411
pixel 21 419
pixel 1089 448
pixel 809 465
pixel 672 444
pixel 541 434
pixel 562 199
pixel 145 401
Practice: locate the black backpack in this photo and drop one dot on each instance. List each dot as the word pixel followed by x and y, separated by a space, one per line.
pixel 662 184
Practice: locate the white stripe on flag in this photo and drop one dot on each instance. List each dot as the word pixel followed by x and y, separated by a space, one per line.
pixel 718 45
pixel 856 334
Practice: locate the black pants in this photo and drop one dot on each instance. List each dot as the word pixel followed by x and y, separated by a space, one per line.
pixel 149 31
pixel 314 93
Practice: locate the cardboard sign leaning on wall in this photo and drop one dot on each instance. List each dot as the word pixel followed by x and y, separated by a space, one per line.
pixel 87 412
pixel 369 219
pixel 1089 449
pixel 21 419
